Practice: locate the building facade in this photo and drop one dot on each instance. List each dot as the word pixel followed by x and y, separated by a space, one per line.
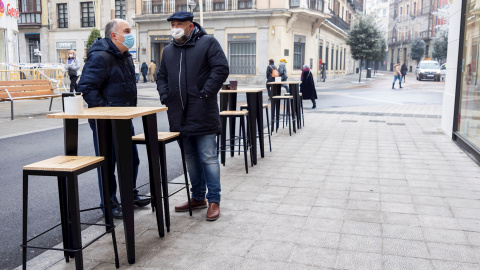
pixel 379 8
pixel 9 15
pixel 253 31
pixel 49 28
pixel 411 19
pixel 461 99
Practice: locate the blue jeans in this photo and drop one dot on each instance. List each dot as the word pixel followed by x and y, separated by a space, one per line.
pixel 286 88
pixel 397 77
pixel 203 166
pixel 113 186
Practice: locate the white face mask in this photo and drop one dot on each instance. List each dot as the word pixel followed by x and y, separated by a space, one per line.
pixel 70 55
pixel 178 33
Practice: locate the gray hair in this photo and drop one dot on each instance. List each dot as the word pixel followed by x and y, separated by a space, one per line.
pixel 306 66
pixel 110 27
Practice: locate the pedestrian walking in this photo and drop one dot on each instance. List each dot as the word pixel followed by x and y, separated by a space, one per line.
pixel 397 75
pixel 403 71
pixel 307 86
pixel 192 71
pixel 108 80
pixel 271 72
pixel 144 70
pixel 72 66
pixel 152 67
pixel 282 72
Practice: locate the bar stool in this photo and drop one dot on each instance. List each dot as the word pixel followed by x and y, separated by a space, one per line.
pixel 163 139
pixel 244 106
pixel 243 139
pixel 67 169
pixel 301 106
pixel 289 111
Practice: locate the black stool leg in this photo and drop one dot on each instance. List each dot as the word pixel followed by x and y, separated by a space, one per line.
pixel 25 210
pixel 187 187
pixel 163 168
pixel 288 116
pixel 62 198
pixel 242 127
pixel 268 128
pixel 74 212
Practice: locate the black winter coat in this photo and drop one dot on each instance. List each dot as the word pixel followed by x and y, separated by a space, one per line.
pixel 108 77
pixel 403 69
pixel 144 69
pixel 308 86
pixel 188 82
pixel 270 69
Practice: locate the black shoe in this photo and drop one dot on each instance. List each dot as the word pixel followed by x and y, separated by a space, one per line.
pixel 117 213
pixel 314 106
pixel 138 201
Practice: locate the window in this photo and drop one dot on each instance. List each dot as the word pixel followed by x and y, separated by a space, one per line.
pixel 421 7
pixel 332 55
pixel 344 56
pixel 33 41
pixel 340 59
pixel 245 4
pixel 326 57
pixel 30 12
pixel 426 50
pixel 242 53
pixel 62 16
pixel 336 60
pixel 88 14
pixel 408 10
pixel 299 52
pixel 384 12
pixel 401 10
pixel 414 9
pixel 120 9
pixel 294 3
pixel 218 4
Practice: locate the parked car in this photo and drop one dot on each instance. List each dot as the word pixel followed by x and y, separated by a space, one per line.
pixel 443 71
pixel 428 69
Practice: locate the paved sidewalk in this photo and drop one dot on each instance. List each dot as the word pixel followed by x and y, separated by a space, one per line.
pixel 384 190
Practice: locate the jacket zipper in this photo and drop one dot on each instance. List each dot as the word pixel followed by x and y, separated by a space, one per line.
pixel 179 80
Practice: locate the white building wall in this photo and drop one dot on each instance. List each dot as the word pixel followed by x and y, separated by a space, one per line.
pixel 9 26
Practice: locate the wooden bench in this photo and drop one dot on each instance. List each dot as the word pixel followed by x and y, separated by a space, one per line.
pixel 27 89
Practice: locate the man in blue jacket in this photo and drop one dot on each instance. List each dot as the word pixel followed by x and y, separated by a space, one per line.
pixel 108 80
pixel 192 71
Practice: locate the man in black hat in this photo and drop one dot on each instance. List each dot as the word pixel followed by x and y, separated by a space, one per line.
pixel 192 71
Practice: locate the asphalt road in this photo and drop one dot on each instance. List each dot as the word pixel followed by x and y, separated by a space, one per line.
pixel 43 196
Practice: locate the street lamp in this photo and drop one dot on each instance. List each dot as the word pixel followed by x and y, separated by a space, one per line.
pixel 191 4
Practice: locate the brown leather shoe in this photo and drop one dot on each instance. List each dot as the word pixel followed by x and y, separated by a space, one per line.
pixel 213 211
pixel 195 205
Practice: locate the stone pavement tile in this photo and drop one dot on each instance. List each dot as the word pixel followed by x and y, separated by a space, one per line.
pixel 299 200
pixel 212 228
pixel 363 216
pixel 433 210
pixel 256 218
pixel 360 243
pixel 231 246
pixel 455 253
pixel 400 219
pixel 366 174
pixel 399 176
pixel 254 264
pixel 455 202
pixel 472 225
pixel 393 182
pixel 275 251
pixel 439 222
pixel 429 191
pixel 303 191
pixel 293 210
pixel 304 182
pixel 364 196
pixel 242 230
pixel 261 207
pixel 363 205
pixel 402 232
pixel 362 228
pixel 395 262
pixel 298 266
pixel 269 198
pixel 462 194
pixel 472 213
pixel 446 265
pixel 396 198
pixel 429 200
pixel 280 182
pixel 338 179
pixel 358 260
pixel 322 224
pixel 280 234
pixel 422 184
pixel 171 258
pixel 193 241
pixel 445 236
pixel 364 186
pixel 395 190
pixel 314 256
pixel 279 190
pixel 473 238
pixel 287 221
pixel 326 212
pixel 406 248
pixel 336 185
pixel 319 239
pixel 209 260
pixel 242 196
pixel 461 184
pixel 87 264
pixel 234 205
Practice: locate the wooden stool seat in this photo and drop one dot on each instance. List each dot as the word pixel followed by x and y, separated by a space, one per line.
pixel 162 136
pixel 245 106
pixel 283 97
pixel 233 113
pixel 63 163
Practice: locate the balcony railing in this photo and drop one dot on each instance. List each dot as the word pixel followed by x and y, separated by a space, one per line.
pixel 339 22
pixel 30 19
pixel 171 6
pixel 312 4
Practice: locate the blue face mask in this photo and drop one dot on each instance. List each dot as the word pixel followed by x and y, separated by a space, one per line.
pixel 129 40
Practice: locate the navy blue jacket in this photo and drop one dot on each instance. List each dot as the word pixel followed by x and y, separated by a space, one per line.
pixel 108 77
pixel 188 81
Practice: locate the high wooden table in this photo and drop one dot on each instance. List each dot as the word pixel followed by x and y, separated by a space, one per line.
pixel 228 101
pixel 295 92
pixel 116 122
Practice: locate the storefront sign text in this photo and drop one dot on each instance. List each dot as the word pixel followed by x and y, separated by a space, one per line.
pixel 10 10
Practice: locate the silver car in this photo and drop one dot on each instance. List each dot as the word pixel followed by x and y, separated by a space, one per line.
pixel 428 69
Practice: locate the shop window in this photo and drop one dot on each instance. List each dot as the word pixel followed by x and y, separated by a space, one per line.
pixel 242 57
pixel 88 14
pixel 33 41
pixel 120 12
pixel 62 15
